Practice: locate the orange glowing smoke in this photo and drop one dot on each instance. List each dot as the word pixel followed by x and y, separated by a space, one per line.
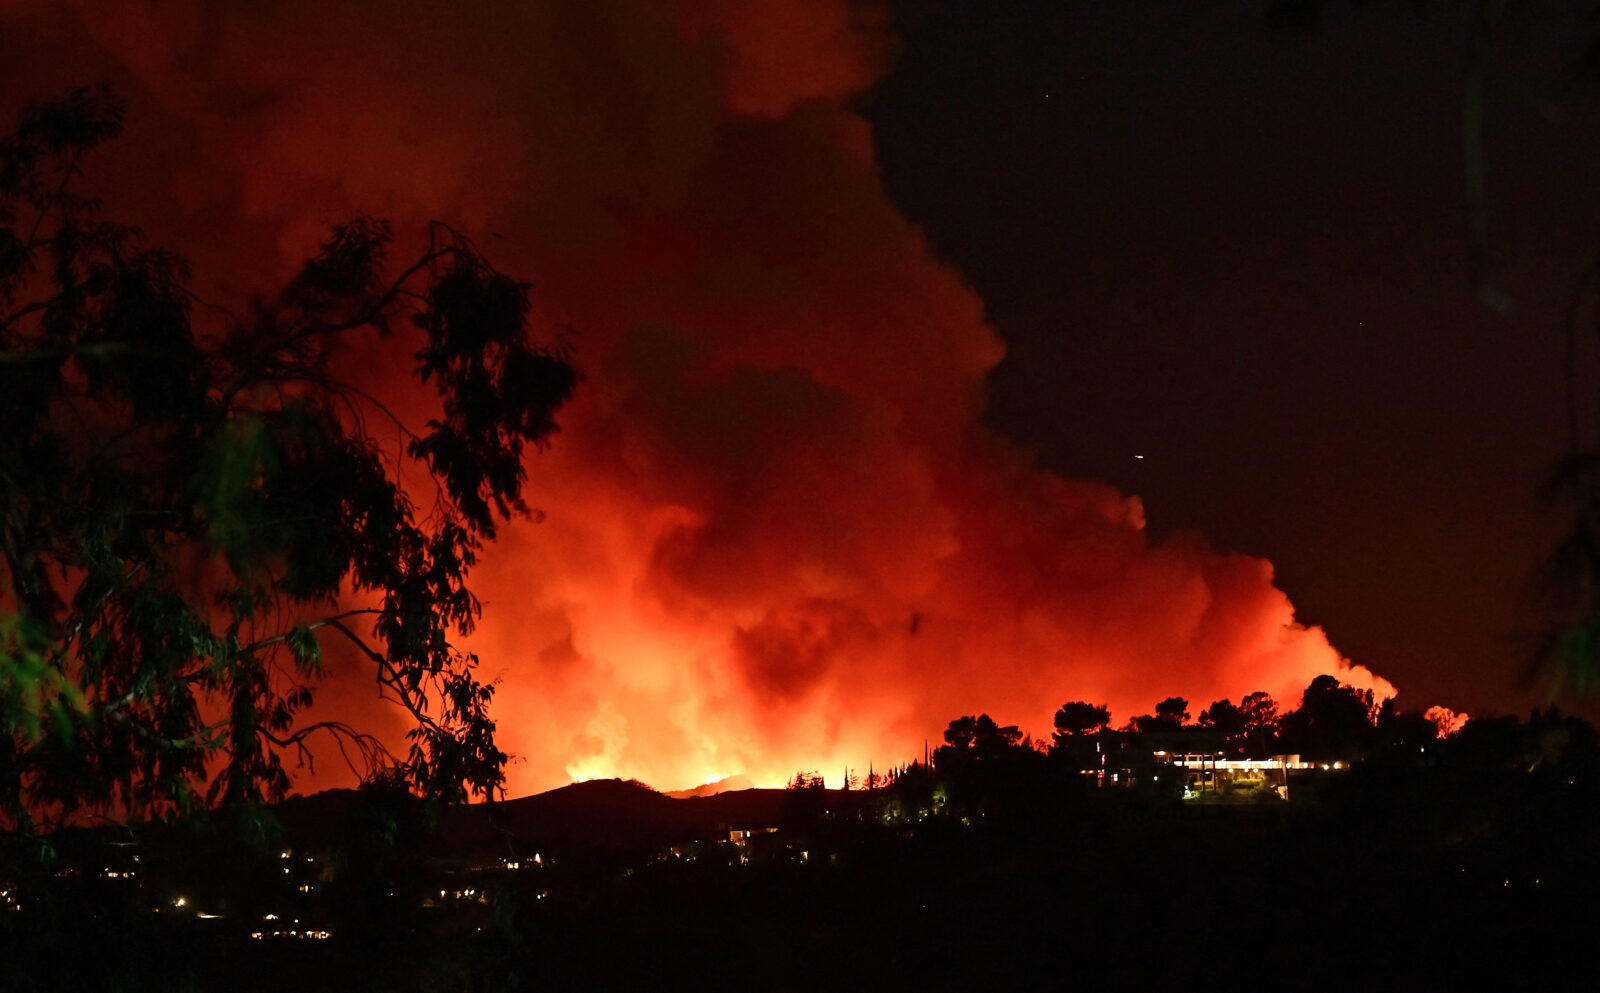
pixel 777 535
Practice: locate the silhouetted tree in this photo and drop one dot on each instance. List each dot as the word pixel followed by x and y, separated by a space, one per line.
pixel 1174 710
pixel 908 793
pixel 1170 715
pixel 978 738
pixel 189 509
pixel 1405 736
pixel 1258 714
pixel 1078 717
pixel 1486 741
pixel 987 767
pixel 1334 721
pixel 805 781
pixel 1223 716
pixel 1565 746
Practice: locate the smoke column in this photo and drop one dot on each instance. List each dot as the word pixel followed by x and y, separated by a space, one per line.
pixel 777 535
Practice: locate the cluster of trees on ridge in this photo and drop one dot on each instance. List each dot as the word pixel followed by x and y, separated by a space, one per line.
pixel 1335 722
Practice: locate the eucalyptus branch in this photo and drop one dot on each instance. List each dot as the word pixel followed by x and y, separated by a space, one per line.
pixel 111 709
pixel 386 299
pixel 373 752
pixel 19 314
pixel 75 631
pixel 284 636
pixel 386 676
pixel 69 170
pixel 340 388
pixel 206 736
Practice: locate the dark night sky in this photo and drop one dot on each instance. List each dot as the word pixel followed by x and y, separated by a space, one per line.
pixel 1241 254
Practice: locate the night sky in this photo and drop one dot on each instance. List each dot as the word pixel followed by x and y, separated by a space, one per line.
pixel 1241 252
pixel 878 314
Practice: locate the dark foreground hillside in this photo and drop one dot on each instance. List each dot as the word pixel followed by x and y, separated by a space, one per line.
pixel 1381 879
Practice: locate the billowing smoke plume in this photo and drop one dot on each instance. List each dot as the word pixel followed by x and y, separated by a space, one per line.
pixel 777 535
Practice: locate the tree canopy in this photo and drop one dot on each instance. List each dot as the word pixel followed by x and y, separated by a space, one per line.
pixel 980 738
pixel 194 504
pixel 1334 721
pixel 1258 715
pixel 1079 717
pixel 1171 714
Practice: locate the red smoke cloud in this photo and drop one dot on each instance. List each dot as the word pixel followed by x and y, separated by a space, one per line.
pixel 777 534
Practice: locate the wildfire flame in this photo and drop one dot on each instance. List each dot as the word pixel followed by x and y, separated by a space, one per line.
pixel 1446 720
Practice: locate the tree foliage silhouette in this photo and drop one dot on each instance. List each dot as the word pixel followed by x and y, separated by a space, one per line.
pixel 805 781
pixel 1171 714
pixel 1258 714
pixel 1334 721
pixel 979 738
pixel 1226 718
pixel 1077 717
pixel 191 509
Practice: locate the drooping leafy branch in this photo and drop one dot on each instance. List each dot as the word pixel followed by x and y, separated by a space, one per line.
pixel 190 514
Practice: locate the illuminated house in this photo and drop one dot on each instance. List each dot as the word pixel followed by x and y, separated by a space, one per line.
pixel 1189 761
pixel 1201 772
pixel 1138 758
pixel 745 839
pixel 742 837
